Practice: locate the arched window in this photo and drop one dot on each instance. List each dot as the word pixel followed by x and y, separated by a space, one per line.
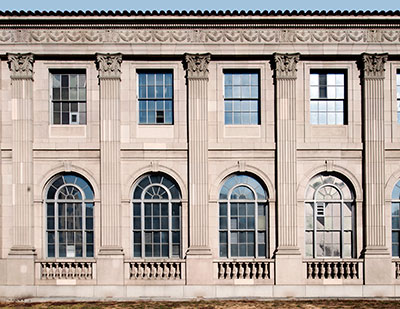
pixel 69 211
pixel 156 217
pixel 396 220
pixel 243 218
pixel 329 217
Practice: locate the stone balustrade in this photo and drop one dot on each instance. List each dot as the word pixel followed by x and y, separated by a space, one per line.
pixel 396 263
pixel 245 269
pixel 330 269
pixel 171 270
pixel 79 270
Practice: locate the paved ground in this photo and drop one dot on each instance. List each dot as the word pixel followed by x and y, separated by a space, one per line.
pixel 284 304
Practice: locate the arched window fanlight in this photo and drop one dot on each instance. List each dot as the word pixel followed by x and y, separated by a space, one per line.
pixel 69 213
pixel 157 217
pixel 329 217
pixel 243 217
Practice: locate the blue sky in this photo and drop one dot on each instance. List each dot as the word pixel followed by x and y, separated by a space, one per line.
pixel 199 5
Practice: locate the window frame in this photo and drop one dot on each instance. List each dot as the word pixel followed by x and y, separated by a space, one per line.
pixel 314 202
pixel 345 96
pixel 259 91
pixel 393 230
pixel 68 71
pixel 257 202
pixel 142 201
pixel 139 99
pixel 84 201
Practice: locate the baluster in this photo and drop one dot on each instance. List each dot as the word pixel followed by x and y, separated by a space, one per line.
pixel 228 271
pixel 235 270
pixel 253 270
pixel 329 272
pixel 397 269
pixel 246 270
pixel 178 270
pixel 141 270
pixel 241 270
pixel 347 270
pixel 354 270
pixel 147 270
pixel 166 270
pixel 220 271
pixel 322 266
pixel 159 271
pixel 309 270
pixel 335 270
pixel 341 270
pixel 260 271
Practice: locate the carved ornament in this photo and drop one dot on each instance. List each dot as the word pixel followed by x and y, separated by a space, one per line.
pixel 211 36
pixel 374 65
pixel 196 65
pixel 21 65
pixel 109 65
pixel 285 65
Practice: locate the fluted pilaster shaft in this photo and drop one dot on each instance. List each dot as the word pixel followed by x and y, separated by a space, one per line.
pixel 197 83
pixel 374 149
pixel 21 67
pixel 285 83
pixel 110 87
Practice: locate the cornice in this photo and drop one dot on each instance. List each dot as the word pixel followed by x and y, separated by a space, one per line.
pixel 209 36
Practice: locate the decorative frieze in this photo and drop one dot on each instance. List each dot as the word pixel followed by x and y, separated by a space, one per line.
pixel 109 65
pixel 374 65
pixel 21 66
pixel 246 35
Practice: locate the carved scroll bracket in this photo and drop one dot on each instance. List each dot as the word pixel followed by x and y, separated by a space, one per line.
pixel 109 66
pixel 21 65
pixel 196 65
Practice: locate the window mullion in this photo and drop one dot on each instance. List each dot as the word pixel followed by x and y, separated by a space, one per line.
pixel 229 228
pixel 142 227
pixel 169 229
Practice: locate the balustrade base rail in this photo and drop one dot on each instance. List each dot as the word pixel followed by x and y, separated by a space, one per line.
pixel 239 270
pixel 345 270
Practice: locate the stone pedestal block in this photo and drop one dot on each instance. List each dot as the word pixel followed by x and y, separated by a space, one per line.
pixel 378 269
pixel 289 269
pixel 20 271
pixel 199 269
pixel 110 270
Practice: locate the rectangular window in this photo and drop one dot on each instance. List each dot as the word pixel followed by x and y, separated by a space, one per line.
pixel 328 97
pixel 241 97
pixel 155 97
pixel 68 97
pixel 398 95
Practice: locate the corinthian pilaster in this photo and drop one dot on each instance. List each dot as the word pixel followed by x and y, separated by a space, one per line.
pixel 196 66
pixel 285 87
pixel 21 68
pixel 377 262
pixel 109 74
pixel 374 148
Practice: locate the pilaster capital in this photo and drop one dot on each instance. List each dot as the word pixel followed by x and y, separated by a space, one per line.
pixel 196 65
pixel 285 65
pixel 373 65
pixel 21 65
pixel 109 65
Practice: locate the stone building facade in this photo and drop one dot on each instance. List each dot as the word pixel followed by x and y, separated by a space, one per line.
pixel 199 154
